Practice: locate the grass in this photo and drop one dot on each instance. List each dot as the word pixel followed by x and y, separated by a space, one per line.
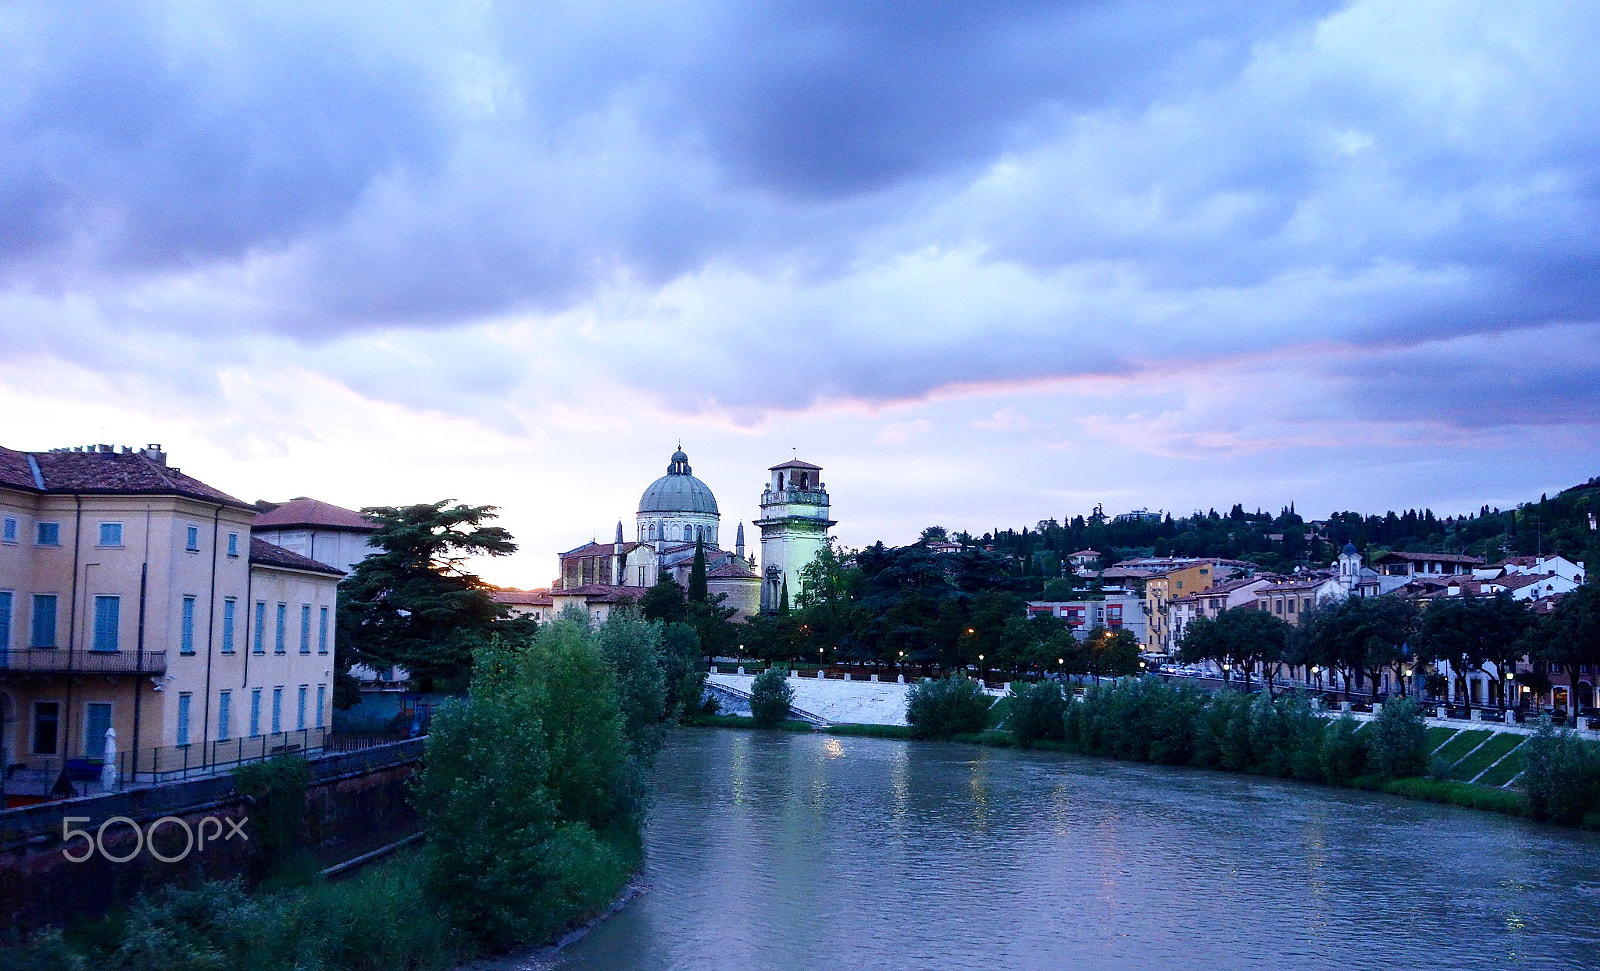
pixel 745 721
pixel 1468 768
pixel 1505 771
pixel 1460 745
pixel 1437 736
pixel 1459 794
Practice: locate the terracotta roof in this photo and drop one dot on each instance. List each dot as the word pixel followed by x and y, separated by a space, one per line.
pixel 599 592
pixel 524 598
pixel 104 473
pixel 1430 557
pixel 301 511
pixel 592 548
pixel 267 554
pixel 733 569
pixel 794 464
pixel 1516 581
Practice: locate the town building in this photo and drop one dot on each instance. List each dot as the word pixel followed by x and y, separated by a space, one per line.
pixel 317 530
pixel 1115 612
pixel 1182 578
pixel 1399 564
pixel 1227 595
pixel 133 597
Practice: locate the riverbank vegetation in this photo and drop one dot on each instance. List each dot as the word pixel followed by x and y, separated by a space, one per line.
pixel 532 794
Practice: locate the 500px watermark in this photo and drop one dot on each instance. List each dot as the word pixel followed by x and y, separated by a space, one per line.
pixel 195 837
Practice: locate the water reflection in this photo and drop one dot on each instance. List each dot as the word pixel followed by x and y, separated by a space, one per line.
pixel 778 851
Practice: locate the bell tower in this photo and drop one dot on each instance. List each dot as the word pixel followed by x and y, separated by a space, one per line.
pixel 794 526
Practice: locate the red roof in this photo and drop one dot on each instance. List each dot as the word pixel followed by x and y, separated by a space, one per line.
pixel 599 592
pixel 301 511
pixel 522 598
pixel 104 473
pixel 267 554
pixel 735 568
pixel 795 464
pixel 1430 557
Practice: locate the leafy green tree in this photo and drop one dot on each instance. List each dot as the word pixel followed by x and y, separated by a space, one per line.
pixel 1036 711
pixel 1112 653
pixel 1570 634
pixel 684 672
pixel 1561 775
pixel 633 646
pixel 770 697
pixel 1239 638
pixel 664 601
pixel 1397 747
pixel 414 603
pixel 952 705
pixel 1471 634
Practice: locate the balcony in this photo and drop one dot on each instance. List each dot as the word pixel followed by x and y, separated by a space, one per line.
pixel 45 660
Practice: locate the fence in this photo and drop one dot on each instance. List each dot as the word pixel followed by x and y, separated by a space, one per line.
pixel 170 762
pixel 56 660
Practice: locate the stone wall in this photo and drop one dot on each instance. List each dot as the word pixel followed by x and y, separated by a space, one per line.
pixel 350 794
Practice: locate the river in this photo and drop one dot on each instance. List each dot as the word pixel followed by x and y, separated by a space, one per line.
pixel 791 852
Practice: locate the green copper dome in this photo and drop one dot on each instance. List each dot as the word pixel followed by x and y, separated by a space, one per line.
pixel 679 492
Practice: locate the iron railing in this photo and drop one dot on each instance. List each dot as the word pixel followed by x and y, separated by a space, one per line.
pixel 204 758
pixel 56 660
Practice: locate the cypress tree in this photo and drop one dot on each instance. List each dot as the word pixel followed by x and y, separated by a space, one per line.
pixel 783 599
pixel 697 573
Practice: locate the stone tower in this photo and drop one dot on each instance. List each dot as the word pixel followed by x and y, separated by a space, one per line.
pixel 794 526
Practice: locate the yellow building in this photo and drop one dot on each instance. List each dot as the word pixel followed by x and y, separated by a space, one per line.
pixel 132 597
pixel 1163 588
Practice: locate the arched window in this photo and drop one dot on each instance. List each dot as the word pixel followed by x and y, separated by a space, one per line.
pixel 780 481
pixel 699 534
pixel 805 481
pixel 688 534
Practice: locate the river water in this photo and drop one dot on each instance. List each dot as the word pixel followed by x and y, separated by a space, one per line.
pixel 791 852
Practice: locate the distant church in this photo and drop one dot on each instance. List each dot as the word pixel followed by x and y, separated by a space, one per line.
pixel 678 511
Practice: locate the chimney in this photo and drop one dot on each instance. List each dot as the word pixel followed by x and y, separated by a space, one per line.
pixel 153 453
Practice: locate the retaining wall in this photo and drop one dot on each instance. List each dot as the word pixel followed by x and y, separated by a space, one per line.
pixel 349 794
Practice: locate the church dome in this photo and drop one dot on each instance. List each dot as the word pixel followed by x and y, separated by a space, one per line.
pixel 679 492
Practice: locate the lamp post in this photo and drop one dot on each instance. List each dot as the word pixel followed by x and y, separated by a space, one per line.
pixel 1227 679
pixel 980 668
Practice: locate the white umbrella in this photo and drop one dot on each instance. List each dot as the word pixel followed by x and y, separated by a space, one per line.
pixel 108 771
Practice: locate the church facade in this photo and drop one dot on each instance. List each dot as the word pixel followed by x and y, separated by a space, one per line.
pixel 678 512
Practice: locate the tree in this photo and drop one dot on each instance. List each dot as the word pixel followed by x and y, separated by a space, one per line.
pixel 1398 745
pixel 1471 634
pixel 414 603
pixel 1036 711
pixel 633 646
pixel 953 705
pixel 1112 653
pixel 697 573
pixel 1570 634
pixel 664 601
pixel 770 697
pixel 1240 637
pixel 1364 635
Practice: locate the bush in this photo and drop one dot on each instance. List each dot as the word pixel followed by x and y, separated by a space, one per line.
pixel 954 705
pixel 1344 752
pixel 1397 745
pixel 1561 775
pixel 770 697
pixel 1143 720
pixel 275 790
pixel 1036 711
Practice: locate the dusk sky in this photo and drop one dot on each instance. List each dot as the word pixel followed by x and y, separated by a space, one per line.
pixel 985 264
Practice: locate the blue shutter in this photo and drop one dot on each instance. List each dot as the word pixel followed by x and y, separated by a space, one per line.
pixel 300 717
pixel 255 711
pixel 322 632
pixel 97 720
pixel 187 645
pixel 5 621
pixel 44 620
pixel 322 698
pixel 305 628
pixel 183 718
pixel 107 615
pixel 224 710
pixel 261 627
pixel 228 607
pixel 277 710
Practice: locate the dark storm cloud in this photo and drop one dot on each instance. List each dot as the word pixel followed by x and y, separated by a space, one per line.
pixel 917 195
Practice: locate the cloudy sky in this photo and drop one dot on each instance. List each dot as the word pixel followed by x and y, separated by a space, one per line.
pixel 985 263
